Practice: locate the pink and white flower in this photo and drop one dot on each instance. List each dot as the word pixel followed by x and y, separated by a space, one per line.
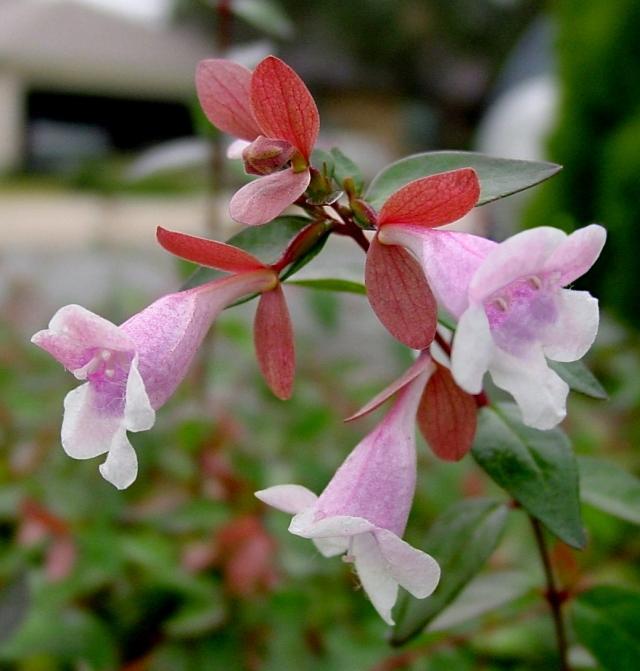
pixel 516 314
pixel 363 511
pixel 277 121
pixel 130 370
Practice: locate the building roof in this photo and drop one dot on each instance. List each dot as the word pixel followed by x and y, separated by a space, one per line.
pixel 70 45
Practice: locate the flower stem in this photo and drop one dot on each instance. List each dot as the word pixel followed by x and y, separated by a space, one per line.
pixel 552 595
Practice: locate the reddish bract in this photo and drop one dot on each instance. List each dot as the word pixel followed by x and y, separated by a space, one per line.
pixel 432 201
pixel 447 416
pixel 206 252
pixel 273 338
pixel 283 106
pixel 400 295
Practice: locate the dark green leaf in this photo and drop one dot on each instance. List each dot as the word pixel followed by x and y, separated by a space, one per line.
pixel 265 15
pixel 14 604
pixel 499 177
pixel 267 242
pixel 331 284
pixel 579 378
pixel 461 540
pixel 607 621
pixel 610 488
pixel 538 468
pixel 344 167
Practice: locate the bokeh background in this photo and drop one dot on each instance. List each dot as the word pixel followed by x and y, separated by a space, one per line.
pixel 101 140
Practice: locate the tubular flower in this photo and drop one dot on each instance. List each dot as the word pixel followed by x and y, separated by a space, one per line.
pixel 277 121
pixel 517 312
pixel 409 262
pixel 130 370
pixel 363 511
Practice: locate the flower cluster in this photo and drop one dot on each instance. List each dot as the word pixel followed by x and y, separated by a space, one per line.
pixel 510 301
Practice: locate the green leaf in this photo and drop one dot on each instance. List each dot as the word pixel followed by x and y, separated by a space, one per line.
pixel 267 242
pixel 461 540
pixel 331 284
pixel 607 621
pixel 579 378
pixel 538 468
pixel 499 177
pixel 344 167
pixel 265 15
pixel 14 605
pixel 610 488
pixel 483 595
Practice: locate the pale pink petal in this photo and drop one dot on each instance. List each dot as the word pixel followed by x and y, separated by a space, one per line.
pixel 121 465
pixel 75 333
pixel 523 254
pixel 539 392
pixel 400 295
pixel 577 253
pixel 416 571
pixel 290 499
pixel 138 413
pixel 207 252
pixel 267 197
pixel 87 430
pixel 283 106
pixel 421 364
pixel 310 524
pixel 235 149
pixel 331 547
pixel 431 201
pixel 575 329
pixel 472 349
pixel 449 260
pixel 223 89
pixel 273 338
pixel 373 572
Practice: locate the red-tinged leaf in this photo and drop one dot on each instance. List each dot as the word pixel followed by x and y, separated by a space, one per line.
pixel 283 106
pixel 400 295
pixel 206 252
pixel 273 338
pixel 224 93
pixel 422 363
pixel 447 416
pixel 432 201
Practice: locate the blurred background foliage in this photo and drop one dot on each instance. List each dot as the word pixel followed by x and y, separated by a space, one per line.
pixel 185 570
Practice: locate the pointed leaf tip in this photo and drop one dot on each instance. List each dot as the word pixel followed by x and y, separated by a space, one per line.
pixel 273 339
pixel 206 252
pixel 283 105
pixel 447 416
pixel 432 201
pixel 400 295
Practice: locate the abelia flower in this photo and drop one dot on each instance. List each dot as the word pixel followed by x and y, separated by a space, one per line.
pixel 516 314
pixel 409 261
pixel 131 370
pixel 363 511
pixel 277 121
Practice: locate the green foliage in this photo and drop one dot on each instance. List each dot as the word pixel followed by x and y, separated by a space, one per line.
pixel 538 468
pixel 579 378
pixel 498 177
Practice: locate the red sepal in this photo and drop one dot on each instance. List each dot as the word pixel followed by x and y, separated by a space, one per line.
pixel 447 416
pixel 209 253
pixel 273 339
pixel 400 295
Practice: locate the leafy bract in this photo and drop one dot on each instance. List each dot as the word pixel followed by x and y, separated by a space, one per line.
pixel 538 468
pixel 579 378
pixel 607 621
pixel 461 540
pixel 499 177
pixel 610 488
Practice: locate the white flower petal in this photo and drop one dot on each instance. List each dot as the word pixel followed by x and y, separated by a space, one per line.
pixel 373 572
pixel 121 465
pixel 472 349
pixel 235 149
pixel 539 392
pixel 413 569
pixel 573 333
pixel 330 547
pixel 87 431
pixel 138 413
pixel 577 253
pixel 306 525
pixel 290 499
